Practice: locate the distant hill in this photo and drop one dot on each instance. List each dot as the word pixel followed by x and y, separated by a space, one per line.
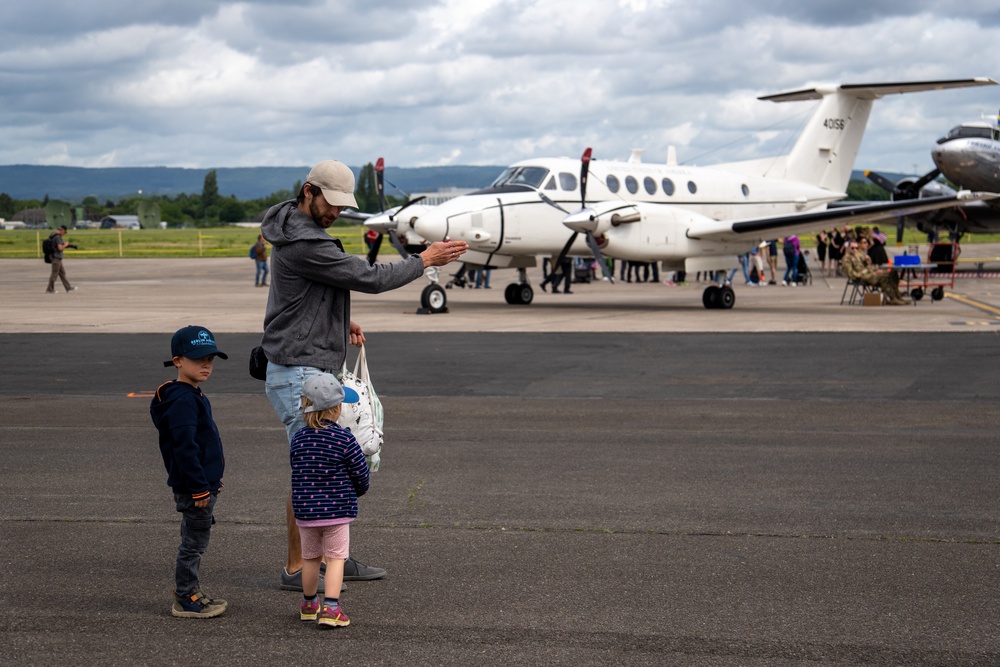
pixel 72 184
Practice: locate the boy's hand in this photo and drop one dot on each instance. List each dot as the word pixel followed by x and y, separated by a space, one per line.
pixel 201 503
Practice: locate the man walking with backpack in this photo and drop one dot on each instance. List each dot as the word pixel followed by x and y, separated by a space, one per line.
pixel 56 259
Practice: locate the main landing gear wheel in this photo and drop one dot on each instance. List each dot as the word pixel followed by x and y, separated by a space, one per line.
pixel 519 294
pixel 718 297
pixel 937 293
pixel 434 299
pixel 710 297
pixel 917 293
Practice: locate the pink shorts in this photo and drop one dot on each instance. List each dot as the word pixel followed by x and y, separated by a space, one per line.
pixel 330 541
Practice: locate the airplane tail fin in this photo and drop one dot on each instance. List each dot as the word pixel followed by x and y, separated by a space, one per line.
pixel 825 151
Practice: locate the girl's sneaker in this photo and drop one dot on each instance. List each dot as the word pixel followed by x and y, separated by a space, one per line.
pixel 309 610
pixel 333 617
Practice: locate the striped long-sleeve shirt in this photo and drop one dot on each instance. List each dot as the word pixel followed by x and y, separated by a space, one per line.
pixel 329 472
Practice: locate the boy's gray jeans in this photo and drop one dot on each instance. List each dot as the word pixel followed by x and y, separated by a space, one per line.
pixel 196 528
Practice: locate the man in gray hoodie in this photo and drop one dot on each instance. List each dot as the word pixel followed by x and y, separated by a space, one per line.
pixel 307 326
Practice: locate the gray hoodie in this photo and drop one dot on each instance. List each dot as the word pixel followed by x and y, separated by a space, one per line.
pixel 308 316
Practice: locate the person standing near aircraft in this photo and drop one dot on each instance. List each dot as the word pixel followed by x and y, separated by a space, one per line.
pixel 260 259
pixel 792 250
pixel 307 325
pixel 876 247
pixel 772 260
pixel 836 251
pixel 822 242
pixel 58 270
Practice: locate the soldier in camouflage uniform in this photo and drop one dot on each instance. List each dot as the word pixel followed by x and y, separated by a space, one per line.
pixel 857 266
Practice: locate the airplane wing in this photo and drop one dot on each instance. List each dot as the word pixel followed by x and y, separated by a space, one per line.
pixel 803 223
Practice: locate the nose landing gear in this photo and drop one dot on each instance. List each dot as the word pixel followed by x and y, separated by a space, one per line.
pixel 521 292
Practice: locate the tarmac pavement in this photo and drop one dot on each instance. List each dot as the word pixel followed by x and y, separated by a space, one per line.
pixel 616 476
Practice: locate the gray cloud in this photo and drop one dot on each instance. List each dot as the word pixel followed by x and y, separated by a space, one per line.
pixel 207 84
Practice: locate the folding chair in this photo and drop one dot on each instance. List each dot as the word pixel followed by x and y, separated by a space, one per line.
pixel 858 290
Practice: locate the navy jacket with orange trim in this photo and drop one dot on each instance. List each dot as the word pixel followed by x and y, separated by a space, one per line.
pixel 189 439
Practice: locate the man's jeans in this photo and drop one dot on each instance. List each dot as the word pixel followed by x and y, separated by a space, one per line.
pixel 262 272
pixel 196 527
pixel 284 390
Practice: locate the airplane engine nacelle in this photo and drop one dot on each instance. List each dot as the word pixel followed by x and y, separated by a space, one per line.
pixel 661 233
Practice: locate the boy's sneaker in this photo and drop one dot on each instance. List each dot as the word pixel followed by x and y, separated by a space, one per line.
pixel 333 618
pixel 197 606
pixel 208 598
pixel 309 610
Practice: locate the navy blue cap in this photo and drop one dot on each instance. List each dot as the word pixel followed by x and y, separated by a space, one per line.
pixel 194 343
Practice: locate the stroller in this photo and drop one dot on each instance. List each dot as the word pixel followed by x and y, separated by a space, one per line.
pixel 805 276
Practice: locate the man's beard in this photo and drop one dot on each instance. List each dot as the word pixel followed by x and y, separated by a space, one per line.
pixel 317 216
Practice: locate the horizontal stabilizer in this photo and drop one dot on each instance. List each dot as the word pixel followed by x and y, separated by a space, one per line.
pixel 871 91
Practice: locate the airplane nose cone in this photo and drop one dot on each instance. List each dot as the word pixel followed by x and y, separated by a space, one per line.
pixel 381 223
pixel 431 225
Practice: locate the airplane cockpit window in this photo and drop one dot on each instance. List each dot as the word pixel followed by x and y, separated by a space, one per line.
pixel 551 185
pixel 692 188
pixel 631 184
pixel 969 132
pixel 567 181
pixel 530 176
pixel 613 184
pixel 650 185
pixel 668 187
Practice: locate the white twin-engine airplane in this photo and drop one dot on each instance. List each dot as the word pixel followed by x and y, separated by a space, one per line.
pixel 688 218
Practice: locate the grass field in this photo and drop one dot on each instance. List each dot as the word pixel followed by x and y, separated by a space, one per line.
pixel 100 243
pixel 236 242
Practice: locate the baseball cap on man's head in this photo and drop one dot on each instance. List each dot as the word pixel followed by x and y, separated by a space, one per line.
pixel 194 343
pixel 324 391
pixel 336 180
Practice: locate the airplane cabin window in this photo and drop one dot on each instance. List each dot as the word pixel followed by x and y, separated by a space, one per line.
pixel 612 182
pixel 551 185
pixel 692 188
pixel 746 190
pixel 650 185
pixel 668 187
pixel 631 184
pixel 567 181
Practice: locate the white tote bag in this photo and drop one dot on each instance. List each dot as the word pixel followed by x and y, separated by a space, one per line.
pixel 365 417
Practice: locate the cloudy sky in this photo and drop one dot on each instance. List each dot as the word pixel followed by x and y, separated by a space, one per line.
pixel 209 83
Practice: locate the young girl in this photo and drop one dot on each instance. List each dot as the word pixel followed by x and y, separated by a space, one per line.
pixel 328 474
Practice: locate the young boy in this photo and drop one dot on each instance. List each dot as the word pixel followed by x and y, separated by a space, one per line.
pixel 329 472
pixel 192 454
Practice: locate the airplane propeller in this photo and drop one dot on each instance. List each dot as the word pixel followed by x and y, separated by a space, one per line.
pixel 380 188
pixel 585 228
pixel 904 189
pixel 393 236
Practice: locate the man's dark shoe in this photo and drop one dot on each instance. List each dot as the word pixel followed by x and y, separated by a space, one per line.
pixel 293 582
pixel 355 571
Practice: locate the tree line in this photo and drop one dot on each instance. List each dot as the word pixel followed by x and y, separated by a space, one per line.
pixel 208 209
